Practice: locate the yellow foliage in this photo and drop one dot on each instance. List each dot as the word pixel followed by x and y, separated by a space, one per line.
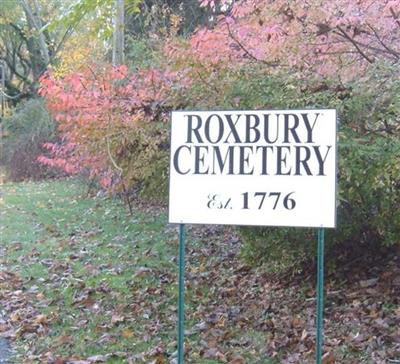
pixel 77 53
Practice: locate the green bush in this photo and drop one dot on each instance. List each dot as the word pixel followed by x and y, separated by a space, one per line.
pixel 143 156
pixel 140 52
pixel 25 132
pixel 367 216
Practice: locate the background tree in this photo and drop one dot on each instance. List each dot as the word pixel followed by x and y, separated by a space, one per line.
pixel 27 45
pixel 159 17
pixel 119 33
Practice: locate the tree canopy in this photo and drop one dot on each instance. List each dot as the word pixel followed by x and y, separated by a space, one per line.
pixel 27 45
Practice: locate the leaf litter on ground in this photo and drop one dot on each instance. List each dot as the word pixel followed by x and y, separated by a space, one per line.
pixel 82 282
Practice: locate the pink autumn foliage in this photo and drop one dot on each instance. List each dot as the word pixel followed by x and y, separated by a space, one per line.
pixel 337 38
pixel 94 108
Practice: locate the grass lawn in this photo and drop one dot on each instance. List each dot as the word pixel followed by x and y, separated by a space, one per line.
pixel 95 280
pixel 82 281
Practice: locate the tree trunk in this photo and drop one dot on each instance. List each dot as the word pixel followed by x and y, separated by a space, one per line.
pixel 118 39
pixel 35 24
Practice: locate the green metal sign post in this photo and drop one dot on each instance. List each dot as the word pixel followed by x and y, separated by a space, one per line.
pixel 320 294
pixel 181 294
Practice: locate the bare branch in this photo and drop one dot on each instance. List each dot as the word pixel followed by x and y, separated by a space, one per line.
pixel 391 51
pixel 211 86
pixel 344 34
pixel 65 37
pixel 395 16
pixel 247 52
pixel 14 70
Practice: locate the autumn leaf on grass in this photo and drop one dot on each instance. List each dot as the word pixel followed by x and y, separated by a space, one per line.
pixel 159 359
pixel 127 334
pixel 297 322
pixel 85 299
pixel 116 319
pixel 328 358
pixel 15 317
pixel 97 359
pixel 237 359
pixel 214 353
pixel 41 319
pixel 64 340
pixel 4 327
pixel 158 355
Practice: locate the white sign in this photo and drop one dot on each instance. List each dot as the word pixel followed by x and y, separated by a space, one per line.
pixel 270 167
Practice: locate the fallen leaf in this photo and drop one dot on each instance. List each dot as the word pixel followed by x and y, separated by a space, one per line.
pixel 368 283
pixel 14 317
pixel 97 359
pixel 237 359
pixel 214 353
pixel 304 335
pixel 127 334
pixel 41 319
pixel 115 319
pixel 328 358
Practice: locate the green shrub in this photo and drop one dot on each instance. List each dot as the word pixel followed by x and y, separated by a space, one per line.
pixel 25 132
pixel 143 156
pixel 140 52
pixel 367 215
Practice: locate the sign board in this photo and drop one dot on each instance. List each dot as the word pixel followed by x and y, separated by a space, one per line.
pixel 267 168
